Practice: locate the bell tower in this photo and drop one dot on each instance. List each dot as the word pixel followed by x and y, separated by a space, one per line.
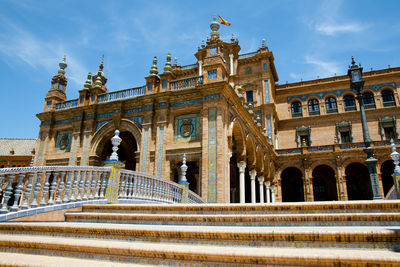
pixel 56 92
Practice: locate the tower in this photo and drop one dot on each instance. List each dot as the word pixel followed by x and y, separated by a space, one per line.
pixel 56 92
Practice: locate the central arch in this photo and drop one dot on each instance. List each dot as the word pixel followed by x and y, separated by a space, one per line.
pixel 358 182
pixel 324 183
pixel 292 185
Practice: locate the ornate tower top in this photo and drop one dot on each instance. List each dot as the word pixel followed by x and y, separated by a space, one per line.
pixel 153 70
pixel 168 67
pixel 214 26
pixel 99 78
pixel 63 65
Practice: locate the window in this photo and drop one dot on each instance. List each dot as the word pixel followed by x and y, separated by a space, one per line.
pixel 303 137
pixel 81 99
pixel 349 103
pixel 368 100
pixel 213 50
pixel 344 132
pixel 248 70
pixel 388 98
pixel 266 88
pixel 249 96
pixel 389 133
pixel 331 106
pixel 212 74
pixel 313 107
pixel 164 84
pixel 150 87
pixel 48 105
pixel 296 110
pixel 388 128
pixel 54 85
pixel 265 66
pixel 93 97
pixel 61 86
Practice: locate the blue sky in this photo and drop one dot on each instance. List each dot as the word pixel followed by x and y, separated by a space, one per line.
pixel 308 38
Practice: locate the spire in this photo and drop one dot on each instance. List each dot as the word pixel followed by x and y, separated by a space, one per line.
pixel 168 67
pixel 88 82
pixel 263 45
pixel 63 65
pixel 153 70
pixel 214 26
pixel 59 81
pixel 100 75
pixel 175 62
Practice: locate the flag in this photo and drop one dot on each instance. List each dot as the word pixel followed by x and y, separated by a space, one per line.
pixel 222 21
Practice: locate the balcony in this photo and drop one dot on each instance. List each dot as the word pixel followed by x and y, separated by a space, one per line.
pixel 313 113
pixel 370 106
pixel 331 110
pixel 297 114
pixel 389 104
pixel 350 108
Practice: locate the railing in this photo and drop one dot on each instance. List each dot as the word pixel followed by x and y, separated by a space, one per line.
pixel 331 110
pixel 252 54
pixel 350 108
pixel 122 94
pixel 369 106
pixel 389 104
pixel 187 67
pixel 33 187
pixel 186 83
pixel 67 104
pixel 297 114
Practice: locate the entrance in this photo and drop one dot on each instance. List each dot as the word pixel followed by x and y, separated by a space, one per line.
pixel 292 185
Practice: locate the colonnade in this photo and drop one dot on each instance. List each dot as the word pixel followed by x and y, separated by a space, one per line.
pixel 266 196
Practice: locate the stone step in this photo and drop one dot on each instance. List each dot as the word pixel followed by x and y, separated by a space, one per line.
pixel 382 238
pixel 314 219
pixel 188 255
pixel 275 208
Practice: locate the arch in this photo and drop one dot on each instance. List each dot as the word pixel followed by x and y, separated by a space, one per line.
pixel 259 159
pixel 236 131
pixel 250 150
pixel 296 108
pixel 292 185
pixel 324 183
pixel 387 169
pixel 388 98
pixel 358 182
pixel 386 87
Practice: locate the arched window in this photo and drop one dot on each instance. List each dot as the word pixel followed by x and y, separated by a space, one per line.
pixel 349 103
pixel 313 107
pixel 296 110
pixel 368 100
pixel 331 106
pixel 388 98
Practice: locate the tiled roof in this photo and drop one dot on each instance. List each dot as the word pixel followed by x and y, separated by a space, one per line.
pixel 21 147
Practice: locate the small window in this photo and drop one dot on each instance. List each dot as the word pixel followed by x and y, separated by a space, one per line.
pixel 368 100
pixel 303 137
pixel 93 97
pixel 265 66
pixel 304 140
pixel 331 106
pixel 213 50
pixel 296 110
pixel 212 74
pixel 349 103
pixel 345 137
pixel 150 87
pixel 389 133
pixel 223 76
pixel 62 86
pixel 54 85
pixel 388 98
pixel 82 98
pixel 248 70
pixel 313 107
pixel 249 96
pixel 164 84
pixel 48 105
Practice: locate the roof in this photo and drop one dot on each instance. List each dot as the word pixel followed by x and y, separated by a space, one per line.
pixel 21 147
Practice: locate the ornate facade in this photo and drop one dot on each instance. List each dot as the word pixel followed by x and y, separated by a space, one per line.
pixel 246 138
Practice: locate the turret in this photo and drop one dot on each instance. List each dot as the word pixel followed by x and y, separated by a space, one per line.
pixel 56 92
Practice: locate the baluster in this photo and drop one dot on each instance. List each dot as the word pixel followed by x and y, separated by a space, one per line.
pixel 131 187
pixel 18 192
pixel 121 186
pixel 80 186
pixel 53 188
pixel 67 187
pixel 60 188
pixel 142 186
pixel 7 193
pixel 28 191
pixel 135 186
pixel 91 197
pixel 74 186
pixel 125 195
pixel 45 190
pixel 87 184
pixel 103 185
pixel 37 189
pixel 98 184
pixel 128 186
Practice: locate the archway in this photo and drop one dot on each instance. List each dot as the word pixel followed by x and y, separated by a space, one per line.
pixel 126 150
pixel 387 169
pixel 324 183
pixel 358 182
pixel 292 185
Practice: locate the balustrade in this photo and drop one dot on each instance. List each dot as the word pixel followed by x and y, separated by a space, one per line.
pixel 186 83
pixel 31 187
pixel 122 94
pixel 67 104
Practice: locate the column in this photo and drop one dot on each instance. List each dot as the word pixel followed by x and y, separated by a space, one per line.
pixel 231 63
pixel 200 68
pixel 253 174
pixel 261 187
pixel 242 167
pixel 273 193
pixel 267 191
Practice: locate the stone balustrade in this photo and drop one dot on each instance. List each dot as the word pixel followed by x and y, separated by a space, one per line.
pixel 26 188
pixel 186 83
pixel 67 104
pixel 122 94
pixel 243 56
pixel 187 67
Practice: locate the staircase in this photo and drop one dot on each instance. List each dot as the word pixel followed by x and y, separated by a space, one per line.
pixel 357 233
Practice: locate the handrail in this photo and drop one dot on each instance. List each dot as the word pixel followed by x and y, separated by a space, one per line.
pixel 42 186
pixel 391 194
pixel 121 94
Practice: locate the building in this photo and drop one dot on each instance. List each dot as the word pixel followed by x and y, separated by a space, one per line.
pixel 246 138
pixel 16 152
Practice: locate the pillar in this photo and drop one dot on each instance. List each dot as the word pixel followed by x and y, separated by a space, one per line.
pixel 267 191
pixel 231 64
pixel 200 68
pixel 273 193
pixel 241 166
pixel 253 174
pixel 261 187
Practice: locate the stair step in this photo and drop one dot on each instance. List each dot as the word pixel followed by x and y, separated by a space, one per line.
pixel 187 254
pixel 314 219
pixel 19 259
pixel 312 237
pixel 275 208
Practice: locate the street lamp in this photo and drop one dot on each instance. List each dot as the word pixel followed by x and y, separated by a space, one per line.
pixel 357 83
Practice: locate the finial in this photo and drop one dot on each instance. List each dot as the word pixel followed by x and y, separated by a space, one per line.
pixel 263 45
pixel 88 82
pixel 232 39
pixel 352 61
pixel 116 141
pixel 101 64
pixel 202 44
pixel 168 67
pixel 63 65
pixel 153 70
pixel 183 169
pixel 214 26
pixel 175 62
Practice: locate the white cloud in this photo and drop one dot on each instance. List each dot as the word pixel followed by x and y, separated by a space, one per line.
pixel 323 68
pixel 334 29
